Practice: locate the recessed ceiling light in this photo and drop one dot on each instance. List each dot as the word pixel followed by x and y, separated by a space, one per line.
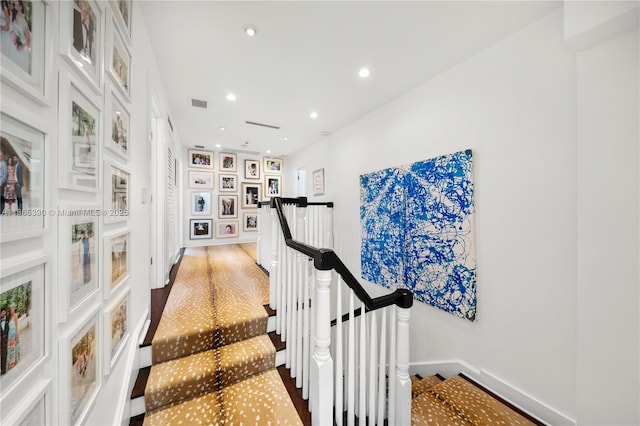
pixel 222 128
pixel 250 30
pixel 285 138
pixel 313 115
pixel 364 72
pixel 218 145
pixel 268 151
pixel 231 97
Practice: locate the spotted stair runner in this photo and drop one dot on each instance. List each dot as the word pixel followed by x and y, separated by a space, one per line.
pixel 456 401
pixel 212 360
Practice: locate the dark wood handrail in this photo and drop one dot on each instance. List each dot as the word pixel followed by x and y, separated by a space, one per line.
pixel 327 259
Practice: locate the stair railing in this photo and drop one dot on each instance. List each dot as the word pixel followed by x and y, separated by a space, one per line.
pixel 342 370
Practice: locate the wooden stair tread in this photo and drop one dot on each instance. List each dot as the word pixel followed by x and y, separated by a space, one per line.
pixel 261 399
pixel 187 377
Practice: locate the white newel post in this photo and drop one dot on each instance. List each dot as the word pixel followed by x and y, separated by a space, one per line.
pixel 275 228
pixel 322 364
pixel 403 381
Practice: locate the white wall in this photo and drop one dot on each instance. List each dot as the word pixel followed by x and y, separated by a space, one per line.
pixel 515 105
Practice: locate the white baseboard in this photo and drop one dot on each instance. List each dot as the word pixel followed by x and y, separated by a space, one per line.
pixel 137 406
pixel 123 413
pixel 517 397
pixel 281 357
pixel 271 324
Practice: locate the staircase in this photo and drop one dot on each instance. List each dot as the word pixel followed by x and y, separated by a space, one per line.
pixel 212 360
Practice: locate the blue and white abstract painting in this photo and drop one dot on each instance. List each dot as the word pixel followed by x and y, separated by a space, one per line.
pixel 417 231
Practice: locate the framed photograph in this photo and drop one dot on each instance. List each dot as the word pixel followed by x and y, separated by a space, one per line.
pixel 22 318
pixel 200 228
pixel 22 152
pixel 200 159
pixel 228 183
pixel 272 186
pixel 78 242
pixel 26 58
pixel 81 38
pixel 201 203
pixel 116 193
pixel 117 128
pixel 80 121
pixel 79 357
pixel 250 221
pixel 228 162
pixel 250 195
pixel 201 180
pixel 251 169
pixel 273 165
pixel 318 182
pixel 119 65
pixel 116 330
pixel 116 260
pixel 122 16
pixel 227 206
pixel 227 229
pixel 34 407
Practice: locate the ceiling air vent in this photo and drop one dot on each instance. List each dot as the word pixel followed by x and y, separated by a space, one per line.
pixel 253 123
pixel 198 103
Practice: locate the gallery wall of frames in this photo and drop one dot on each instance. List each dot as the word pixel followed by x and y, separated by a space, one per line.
pixel 66 176
pixel 222 192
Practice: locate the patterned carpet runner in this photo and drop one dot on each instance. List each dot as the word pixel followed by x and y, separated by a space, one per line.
pixel 212 360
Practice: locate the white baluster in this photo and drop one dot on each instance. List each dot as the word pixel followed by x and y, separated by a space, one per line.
pixel 362 387
pixel 351 364
pixel 282 294
pixel 289 289
pixel 306 325
pixel 312 332
pixel 328 214
pixel 300 260
pixel 373 364
pixel 338 357
pixel 382 397
pixel 403 381
pixel 393 348
pixel 322 377
pixel 273 274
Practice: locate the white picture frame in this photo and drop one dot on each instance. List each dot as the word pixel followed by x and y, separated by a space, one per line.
pixel 117 191
pixel 201 180
pixel 26 144
pixel 252 169
pixel 31 76
pixel 81 41
pixel 79 264
pixel 117 123
pixel 34 407
pixel 122 14
pixel 80 130
pixel 80 368
pixel 116 331
pixel 272 186
pixel 201 203
pixel 116 260
pixel 119 63
pixel 318 182
pixel 250 195
pixel 23 286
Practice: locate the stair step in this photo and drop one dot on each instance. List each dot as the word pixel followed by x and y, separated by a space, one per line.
pixel 187 377
pixel 428 409
pixel 419 386
pixel 261 399
pixel 141 382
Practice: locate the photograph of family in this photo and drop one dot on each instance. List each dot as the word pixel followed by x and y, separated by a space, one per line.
pixel 83 259
pixel 83 375
pixel 15 174
pixel 119 264
pixel 119 127
pixel 15 327
pixel 118 323
pixel 16 24
pixel 83 129
pixel 200 159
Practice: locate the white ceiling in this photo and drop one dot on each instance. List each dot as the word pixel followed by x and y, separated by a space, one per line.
pixel 306 58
